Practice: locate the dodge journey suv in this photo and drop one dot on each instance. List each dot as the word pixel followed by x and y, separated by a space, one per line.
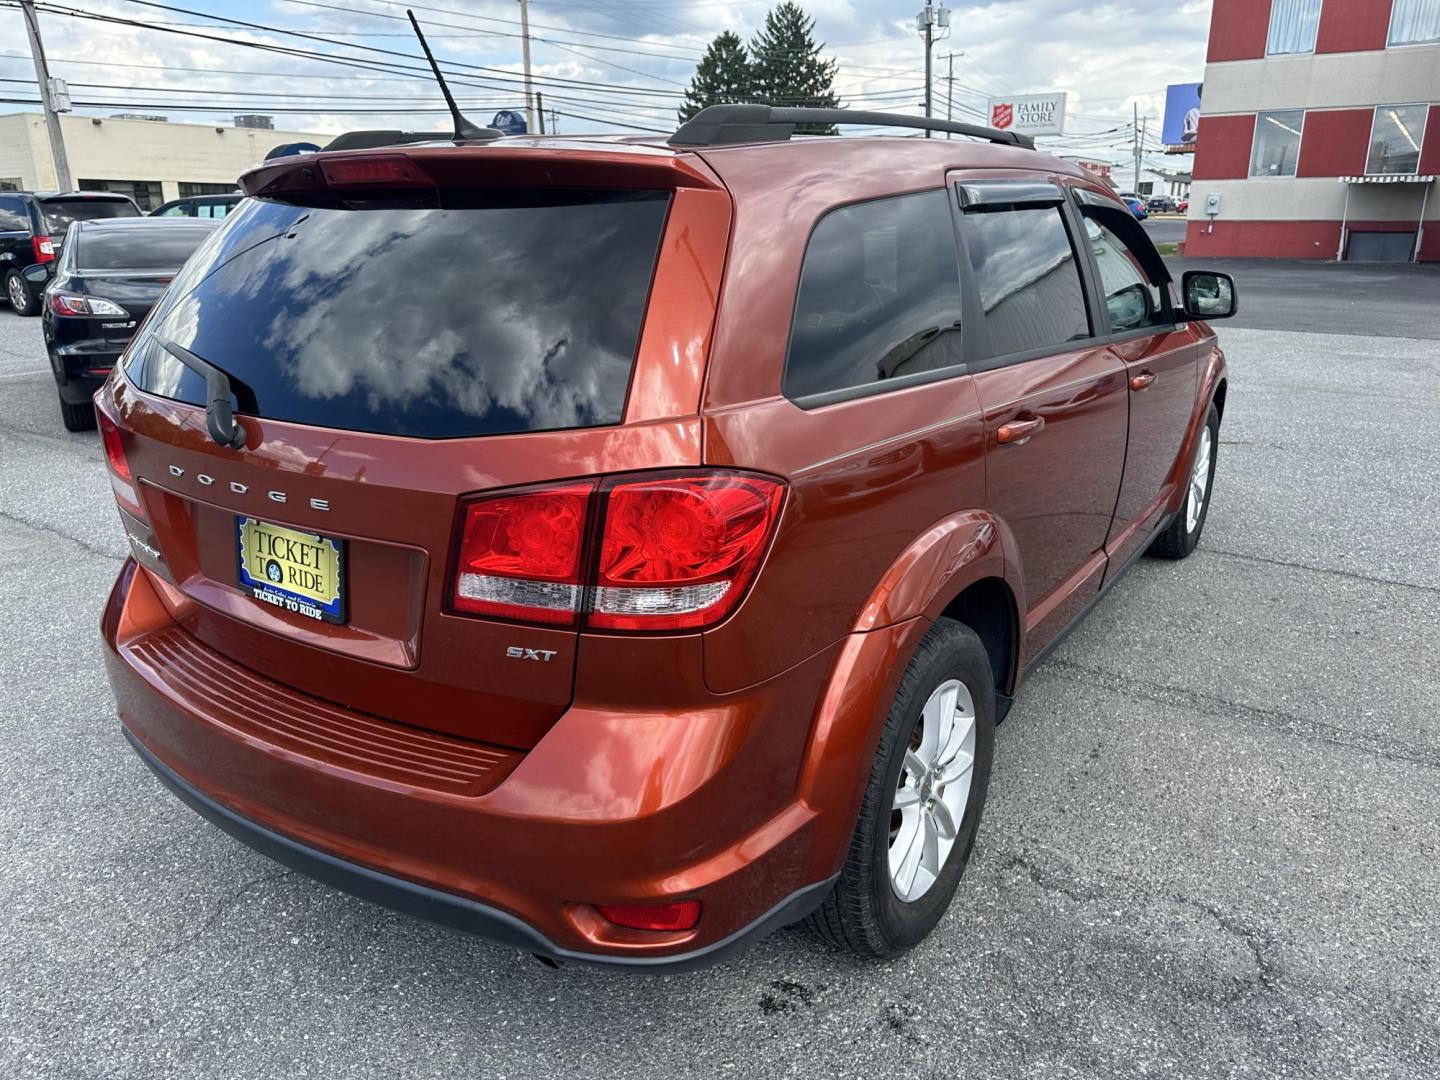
pixel 623 547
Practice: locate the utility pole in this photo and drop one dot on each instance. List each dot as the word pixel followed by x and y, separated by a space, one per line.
pixel 1135 137
pixel 931 17
pixel 47 97
pixel 540 110
pixel 949 88
pixel 525 47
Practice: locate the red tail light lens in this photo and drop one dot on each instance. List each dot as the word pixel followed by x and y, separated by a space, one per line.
pixel 678 553
pixel 674 553
pixel 520 555
pixel 44 247
pixel 121 481
pixel 681 915
pixel 386 170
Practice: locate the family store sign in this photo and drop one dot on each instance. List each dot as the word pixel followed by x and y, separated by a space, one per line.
pixel 1034 114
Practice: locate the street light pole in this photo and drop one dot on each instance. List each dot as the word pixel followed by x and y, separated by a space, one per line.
pixel 525 49
pixel 47 97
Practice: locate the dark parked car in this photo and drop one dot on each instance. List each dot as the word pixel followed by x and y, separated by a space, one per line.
pixel 199 206
pixel 623 550
pixel 32 233
pixel 1160 204
pixel 107 279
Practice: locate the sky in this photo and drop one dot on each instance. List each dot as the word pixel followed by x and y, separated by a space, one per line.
pixel 602 65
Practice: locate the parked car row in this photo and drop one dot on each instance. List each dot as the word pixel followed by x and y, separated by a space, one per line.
pixel 92 266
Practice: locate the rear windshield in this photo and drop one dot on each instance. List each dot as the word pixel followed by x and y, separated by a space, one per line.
pixel 59 213
pixel 136 248
pixel 491 312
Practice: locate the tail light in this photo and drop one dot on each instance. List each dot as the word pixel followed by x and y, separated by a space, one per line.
pixel 121 480
pixel 666 552
pixel 376 170
pixel 66 304
pixel 680 915
pixel 44 248
pixel 520 555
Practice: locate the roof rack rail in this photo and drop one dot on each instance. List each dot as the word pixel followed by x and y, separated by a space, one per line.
pixel 726 125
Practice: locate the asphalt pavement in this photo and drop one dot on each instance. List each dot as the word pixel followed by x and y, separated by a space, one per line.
pixel 1212 846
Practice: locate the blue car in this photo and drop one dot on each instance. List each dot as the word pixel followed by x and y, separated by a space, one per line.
pixel 1137 206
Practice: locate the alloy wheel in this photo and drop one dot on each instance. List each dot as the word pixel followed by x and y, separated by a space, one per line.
pixel 933 790
pixel 15 290
pixel 1199 481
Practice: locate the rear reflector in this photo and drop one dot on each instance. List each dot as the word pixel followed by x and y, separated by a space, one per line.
pixel 673 552
pixel 681 915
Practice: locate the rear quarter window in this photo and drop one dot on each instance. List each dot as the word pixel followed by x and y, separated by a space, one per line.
pixel 60 213
pixel 879 297
pixel 487 312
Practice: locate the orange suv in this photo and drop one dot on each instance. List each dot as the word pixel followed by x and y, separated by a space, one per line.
pixel 623 547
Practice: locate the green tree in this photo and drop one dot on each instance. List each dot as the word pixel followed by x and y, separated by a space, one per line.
pixel 721 78
pixel 786 67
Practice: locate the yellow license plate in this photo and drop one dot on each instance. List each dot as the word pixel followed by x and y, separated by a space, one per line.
pixel 296 571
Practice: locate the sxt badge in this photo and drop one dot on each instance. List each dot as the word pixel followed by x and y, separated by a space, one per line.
pixel 515 652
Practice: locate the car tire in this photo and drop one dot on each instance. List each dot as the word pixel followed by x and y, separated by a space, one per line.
pixel 865 913
pixel 77 417
pixel 22 298
pixel 1179 538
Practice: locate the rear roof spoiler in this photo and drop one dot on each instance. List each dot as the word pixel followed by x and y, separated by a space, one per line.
pixel 369 140
pixel 729 125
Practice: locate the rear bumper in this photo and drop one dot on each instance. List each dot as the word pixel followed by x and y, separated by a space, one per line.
pixel 449 909
pixel 522 857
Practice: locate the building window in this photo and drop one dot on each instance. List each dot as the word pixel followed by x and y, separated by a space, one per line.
pixel 1293 25
pixel 10 183
pixel 146 193
pixel 1414 22
pixel 1277 143
pixel 1396 138
pixel 190 191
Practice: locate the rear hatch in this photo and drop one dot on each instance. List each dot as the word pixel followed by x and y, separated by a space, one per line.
pixel 392 349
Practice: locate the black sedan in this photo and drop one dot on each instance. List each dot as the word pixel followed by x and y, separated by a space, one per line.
pixel 107 279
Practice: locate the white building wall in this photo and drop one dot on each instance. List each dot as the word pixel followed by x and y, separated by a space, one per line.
pixel 1323 81
pixel 106 149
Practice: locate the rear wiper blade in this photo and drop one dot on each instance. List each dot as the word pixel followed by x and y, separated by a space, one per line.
pixel 219 418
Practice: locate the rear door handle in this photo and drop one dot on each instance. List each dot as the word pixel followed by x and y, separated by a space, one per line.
pixel 1144 379
pixel 1019 431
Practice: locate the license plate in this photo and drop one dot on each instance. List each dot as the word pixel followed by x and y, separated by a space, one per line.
pixel 296 571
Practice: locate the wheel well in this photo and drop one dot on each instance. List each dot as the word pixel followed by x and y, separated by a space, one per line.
pixel 988 607
pixel 1220 399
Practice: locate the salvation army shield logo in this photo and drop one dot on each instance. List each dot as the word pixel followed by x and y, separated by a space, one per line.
pixel 1002 116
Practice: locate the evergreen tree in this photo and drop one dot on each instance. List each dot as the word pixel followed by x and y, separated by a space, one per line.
pixel 722 77
pixel 786 68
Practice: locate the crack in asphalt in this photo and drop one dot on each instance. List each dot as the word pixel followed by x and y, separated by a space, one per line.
pixel 1267 971
pixel 221 909
pixel 1317 569
pixel 50 530
pixel 1372 743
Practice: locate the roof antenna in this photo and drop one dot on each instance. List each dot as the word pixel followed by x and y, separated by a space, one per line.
pixel 464 129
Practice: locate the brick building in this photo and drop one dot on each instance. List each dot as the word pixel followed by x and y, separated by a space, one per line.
pixel 1319 131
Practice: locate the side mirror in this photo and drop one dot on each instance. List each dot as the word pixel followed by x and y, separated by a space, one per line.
pixel 36 275
pixel 1208 294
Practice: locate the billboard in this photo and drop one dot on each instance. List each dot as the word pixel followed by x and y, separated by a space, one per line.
pixel 1182 117
pixel 1030 114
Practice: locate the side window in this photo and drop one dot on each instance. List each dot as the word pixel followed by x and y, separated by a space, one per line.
pixel 1029 281
pixel 879 296
pixel 1132 297
pixel 13 217
pixel 173 211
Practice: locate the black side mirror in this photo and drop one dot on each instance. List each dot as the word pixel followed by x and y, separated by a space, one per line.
pixel 1208 294
pixel 36 275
